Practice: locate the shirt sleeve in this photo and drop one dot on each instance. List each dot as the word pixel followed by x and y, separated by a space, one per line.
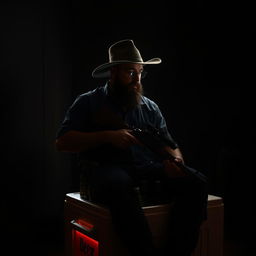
pixel 76 117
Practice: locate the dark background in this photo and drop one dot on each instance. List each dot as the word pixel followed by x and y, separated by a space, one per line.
pixel 203 87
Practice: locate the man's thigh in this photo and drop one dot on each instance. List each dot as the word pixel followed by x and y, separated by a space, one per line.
pixel 109 181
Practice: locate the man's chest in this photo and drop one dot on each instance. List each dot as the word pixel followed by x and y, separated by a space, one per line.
pixel 108 117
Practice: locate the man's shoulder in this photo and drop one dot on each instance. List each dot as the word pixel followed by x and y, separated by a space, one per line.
pixel 149 103
pixel 97 93
pixel 92 97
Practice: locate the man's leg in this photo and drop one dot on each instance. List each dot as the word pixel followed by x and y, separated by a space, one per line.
pixel 187 214
pixel 113 187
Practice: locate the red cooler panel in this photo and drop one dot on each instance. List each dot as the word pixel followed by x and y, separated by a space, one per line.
pixel 83 244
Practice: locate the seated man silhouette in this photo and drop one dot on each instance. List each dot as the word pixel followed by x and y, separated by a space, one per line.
pixel 100 126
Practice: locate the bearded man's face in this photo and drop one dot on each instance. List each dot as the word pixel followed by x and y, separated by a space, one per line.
pixel 126 85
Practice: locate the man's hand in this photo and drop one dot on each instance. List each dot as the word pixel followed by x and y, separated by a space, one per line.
pixel 172 170
pixel 121 138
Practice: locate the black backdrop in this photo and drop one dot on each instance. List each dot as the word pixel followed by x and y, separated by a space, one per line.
pixel 202 87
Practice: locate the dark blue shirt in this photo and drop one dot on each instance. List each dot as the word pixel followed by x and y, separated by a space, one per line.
pixel 96 111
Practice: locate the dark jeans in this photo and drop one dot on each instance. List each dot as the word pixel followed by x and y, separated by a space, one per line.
pixel 114 187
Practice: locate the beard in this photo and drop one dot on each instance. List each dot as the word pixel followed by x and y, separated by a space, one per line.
pixel 126 95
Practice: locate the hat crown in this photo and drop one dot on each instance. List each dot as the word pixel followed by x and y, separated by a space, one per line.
pixel 124 50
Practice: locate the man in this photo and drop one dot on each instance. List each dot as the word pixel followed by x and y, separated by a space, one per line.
pixel 99 126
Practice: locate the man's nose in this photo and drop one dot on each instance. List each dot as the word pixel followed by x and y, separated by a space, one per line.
pixel 136 77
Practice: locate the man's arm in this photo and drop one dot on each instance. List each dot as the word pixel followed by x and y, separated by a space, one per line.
pixel 170 168
pixel 176 153
pixel 75 141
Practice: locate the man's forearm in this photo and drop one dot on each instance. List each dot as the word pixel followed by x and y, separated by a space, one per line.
pixel 75 141
pixel 175 152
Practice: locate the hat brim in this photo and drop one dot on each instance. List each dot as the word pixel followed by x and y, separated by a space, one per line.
pixel 103 71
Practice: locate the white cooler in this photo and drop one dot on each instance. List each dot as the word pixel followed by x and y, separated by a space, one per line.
pixel 89 230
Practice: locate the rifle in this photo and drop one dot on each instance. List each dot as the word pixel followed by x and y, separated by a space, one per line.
pixel 149 137
pixel 152 139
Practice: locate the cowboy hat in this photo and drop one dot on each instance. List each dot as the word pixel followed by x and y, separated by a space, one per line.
pixel 123 51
